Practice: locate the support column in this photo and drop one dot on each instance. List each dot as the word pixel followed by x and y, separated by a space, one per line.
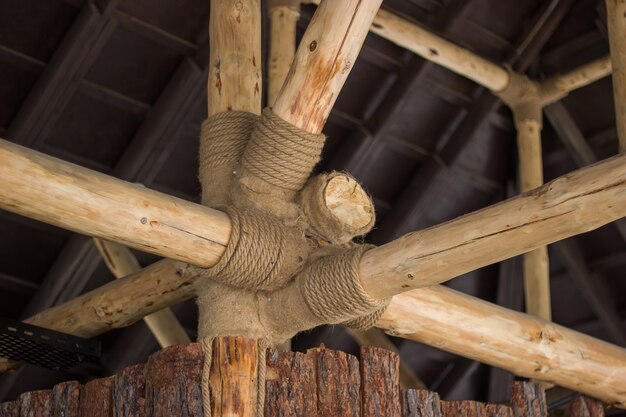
pixel 616 22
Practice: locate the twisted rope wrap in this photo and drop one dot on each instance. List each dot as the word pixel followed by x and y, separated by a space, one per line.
pixel 332 289
pixel 255 257
pixel 280 153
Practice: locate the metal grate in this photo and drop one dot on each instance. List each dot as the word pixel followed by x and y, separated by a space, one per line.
pixel 43 347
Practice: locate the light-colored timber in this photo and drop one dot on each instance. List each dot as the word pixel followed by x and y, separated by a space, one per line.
pixel 348 202
pixel 323 61
pixel 522 344
pixel 536 266
pixel 235 81
pixel 163 324
pixel 616 23
pixel 284 15
pixel 75 198
pixel 558 86
pixel 62 194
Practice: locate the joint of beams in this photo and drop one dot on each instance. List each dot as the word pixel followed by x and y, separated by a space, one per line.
pixel 290 242
pixel 523 96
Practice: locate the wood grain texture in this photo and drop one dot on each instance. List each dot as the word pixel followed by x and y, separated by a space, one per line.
pixel 35 404
pixel 582 406
pixel 282 44
pixel 129 392
pixel 528 399
pixel 9 409
pixel 290 388
pixel 616 24
pixel 96 398
pixel 499 410
pixel 463 409
pixel 522 344
pixel 338 383
pixel 380 383
pixel 65 401
pixel 420 403
pixel 47 189
pixel 235 81
pixel 234 377
pixel 173 382
pixel 326 54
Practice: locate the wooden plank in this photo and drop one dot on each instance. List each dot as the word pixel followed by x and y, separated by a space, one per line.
pixel 582 406
pixel 380 382
pixel 420 403
pixel 129 392
pixel 96 398
pixel 290 389
pixel 463 409
pixel 173 379
pixel 338 383
pixel 35 404
pixel 528 400
pixel 65 401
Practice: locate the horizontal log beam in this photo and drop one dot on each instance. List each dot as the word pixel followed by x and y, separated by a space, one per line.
pixel 520 343
pixel 63 194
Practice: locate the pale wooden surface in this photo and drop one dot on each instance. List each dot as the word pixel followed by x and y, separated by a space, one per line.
pixel 163 324
pixel 522 344
pixel 574 203
pixel 616 23
pixel 75 198
pixel 558 86
pixel 536 265
pixel 323 61
pixel 282 46
pixel 235 81
pixel 348 202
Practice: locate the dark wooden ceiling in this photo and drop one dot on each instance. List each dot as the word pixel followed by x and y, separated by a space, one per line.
pixel 120 87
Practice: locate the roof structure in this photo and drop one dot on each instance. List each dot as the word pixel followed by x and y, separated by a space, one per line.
pixel 120 88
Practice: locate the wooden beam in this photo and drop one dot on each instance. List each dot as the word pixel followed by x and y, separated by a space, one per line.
pixel 163 324
pixel 235 81
pixel 284 15
pixel 558 86
pixel 522 344
pixel 616 22
pixel 323 61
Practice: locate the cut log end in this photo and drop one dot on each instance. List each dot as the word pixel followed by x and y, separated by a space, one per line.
pixel 346 200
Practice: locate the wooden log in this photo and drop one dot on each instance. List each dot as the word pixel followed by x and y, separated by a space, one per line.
pixel 558 86
pixel 616 23
pixel 522 344
pixel 163 324
pixel 121 302
pixel 375 337
pixel 9 409
pixel 420 403
pixel 291 390
pixel 499 410
pixel 78 199
pixel 348 202
pixel 235 81
pixel 528 400
pixel 536 267
pixel 582 406
pixel 463 409
pixel 173 379
pixel 323 61
pixel 65 401
pixel 575 203
pixel 338 383
pixel 96 398
pixel 129 392
pixel 284 15
pixel 35 404
pixel 380 383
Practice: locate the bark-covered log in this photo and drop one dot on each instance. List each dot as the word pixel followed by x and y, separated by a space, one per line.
pixel 173 382
pixel 380 382
pixel 499 410
pixel 35 404
pixel 9 409
pixel 420 403
pixel 65 400
pixel 528 400
pixel 129 395
pixel 338 383
pixel 290 388
pixel 463 409
pixel 96 398
pixel 582 406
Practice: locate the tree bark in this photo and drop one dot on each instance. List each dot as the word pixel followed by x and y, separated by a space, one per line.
pixel 380 383
pixel 129 396
pixel 96 398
